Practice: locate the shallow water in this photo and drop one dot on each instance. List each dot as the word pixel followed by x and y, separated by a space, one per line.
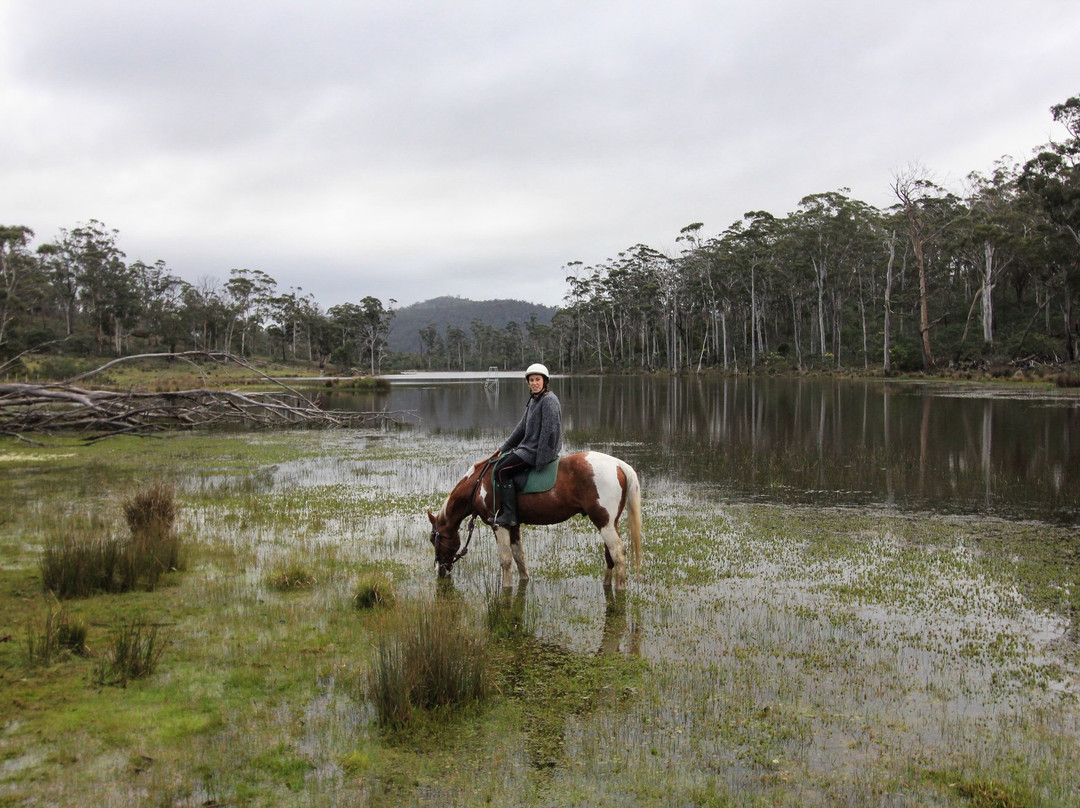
pixel 783 641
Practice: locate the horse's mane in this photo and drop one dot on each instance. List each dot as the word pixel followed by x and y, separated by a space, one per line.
pixel 464 479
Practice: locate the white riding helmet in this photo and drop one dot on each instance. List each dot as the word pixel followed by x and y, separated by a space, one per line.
pixel 536 368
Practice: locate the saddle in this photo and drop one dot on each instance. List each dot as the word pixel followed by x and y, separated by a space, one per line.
pixel 535 481
pixel 539 480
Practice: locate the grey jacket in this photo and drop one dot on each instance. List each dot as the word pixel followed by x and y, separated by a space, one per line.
pixel 537 439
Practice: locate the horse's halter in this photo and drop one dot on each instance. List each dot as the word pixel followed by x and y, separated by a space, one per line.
pixel 436 535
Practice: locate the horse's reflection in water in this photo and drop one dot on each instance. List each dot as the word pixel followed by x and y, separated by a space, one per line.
pixel 617 626
pixel 509 617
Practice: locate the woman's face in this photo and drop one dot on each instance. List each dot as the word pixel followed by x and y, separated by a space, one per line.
pixel 536 383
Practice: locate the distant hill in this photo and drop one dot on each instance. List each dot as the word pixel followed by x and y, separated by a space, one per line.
pixel 456 311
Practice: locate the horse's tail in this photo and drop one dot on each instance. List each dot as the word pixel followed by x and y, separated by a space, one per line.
pixel 633 512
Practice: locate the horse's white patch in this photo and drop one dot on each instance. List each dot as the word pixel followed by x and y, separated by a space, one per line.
pixel 606 478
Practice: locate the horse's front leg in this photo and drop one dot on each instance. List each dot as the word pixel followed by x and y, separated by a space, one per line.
pixel 506 555
pixel 519 552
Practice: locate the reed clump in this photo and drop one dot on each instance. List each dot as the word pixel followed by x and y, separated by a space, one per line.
pixel 59 635
pixel 84 557
pixel 134 651
pixel 154 546
pixel 76 565
pixel 432 663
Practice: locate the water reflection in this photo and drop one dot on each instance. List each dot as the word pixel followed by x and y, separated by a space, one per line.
pixel 908 445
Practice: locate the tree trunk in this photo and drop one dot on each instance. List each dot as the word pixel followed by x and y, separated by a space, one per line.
pixel 988 294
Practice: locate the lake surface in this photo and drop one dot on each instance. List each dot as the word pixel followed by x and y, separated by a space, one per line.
pixel 1011 452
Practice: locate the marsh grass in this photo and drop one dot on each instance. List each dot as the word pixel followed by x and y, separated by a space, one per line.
pixel 134 651
pixel 57 634
pixel 432 661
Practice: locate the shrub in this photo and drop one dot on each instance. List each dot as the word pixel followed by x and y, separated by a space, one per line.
pixel 432 663
pixel 134 653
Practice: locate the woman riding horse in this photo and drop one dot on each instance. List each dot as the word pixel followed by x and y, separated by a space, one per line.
pixel 535 442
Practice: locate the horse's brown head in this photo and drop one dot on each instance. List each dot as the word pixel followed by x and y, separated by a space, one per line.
pixel 446 541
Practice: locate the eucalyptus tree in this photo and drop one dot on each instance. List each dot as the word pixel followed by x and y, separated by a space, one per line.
pixel 1052 177
pixel 542 341
pixel 162 297
pixel 286 312
pixel 205 314
pixel 362 331
pixel 17 271
pixel 457 347
pixel 249 292
pixel 722 258
pixel 59 274
pixel 890 227
pixel 91 269
pixel 750 246
pixel 991 237
pixel 571 324
pixel 702 292
pixel 514 341
pixel 376 326
pixel 834 235
pixel 928 211
pixel 432 345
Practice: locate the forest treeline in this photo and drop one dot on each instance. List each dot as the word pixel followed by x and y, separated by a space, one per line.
pixel 989 276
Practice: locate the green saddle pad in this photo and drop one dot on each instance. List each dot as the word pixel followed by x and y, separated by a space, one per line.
pixel 542 479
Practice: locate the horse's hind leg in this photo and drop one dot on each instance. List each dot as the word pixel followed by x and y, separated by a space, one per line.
pixel 615 556
pixel 518 552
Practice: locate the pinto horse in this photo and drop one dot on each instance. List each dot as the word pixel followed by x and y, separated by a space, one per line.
pixel 591 483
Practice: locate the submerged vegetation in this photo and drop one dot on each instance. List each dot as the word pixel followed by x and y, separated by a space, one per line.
pixel 765 655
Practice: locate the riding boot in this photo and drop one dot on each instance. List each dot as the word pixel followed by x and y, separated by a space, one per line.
pixel 507 514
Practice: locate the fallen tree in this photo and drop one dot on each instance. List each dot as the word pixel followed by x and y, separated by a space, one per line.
pixel 53 407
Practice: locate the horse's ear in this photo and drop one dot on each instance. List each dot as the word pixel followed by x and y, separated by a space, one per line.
pixel 431 516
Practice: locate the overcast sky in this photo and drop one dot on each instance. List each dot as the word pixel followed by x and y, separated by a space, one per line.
pixel 407 150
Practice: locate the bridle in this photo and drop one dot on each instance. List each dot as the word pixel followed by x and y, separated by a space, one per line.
pixel 436 535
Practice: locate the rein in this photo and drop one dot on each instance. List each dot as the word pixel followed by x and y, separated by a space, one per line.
pixel 472 522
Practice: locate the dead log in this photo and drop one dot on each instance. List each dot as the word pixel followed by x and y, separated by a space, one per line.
pixel 36 408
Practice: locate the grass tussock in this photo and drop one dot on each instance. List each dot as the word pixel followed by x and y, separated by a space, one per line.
pixel 57 635
pixel 82 558
pixel 294 578
pixel 135 648
pixel 154 546
pixel 432 662
pixel 374 589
